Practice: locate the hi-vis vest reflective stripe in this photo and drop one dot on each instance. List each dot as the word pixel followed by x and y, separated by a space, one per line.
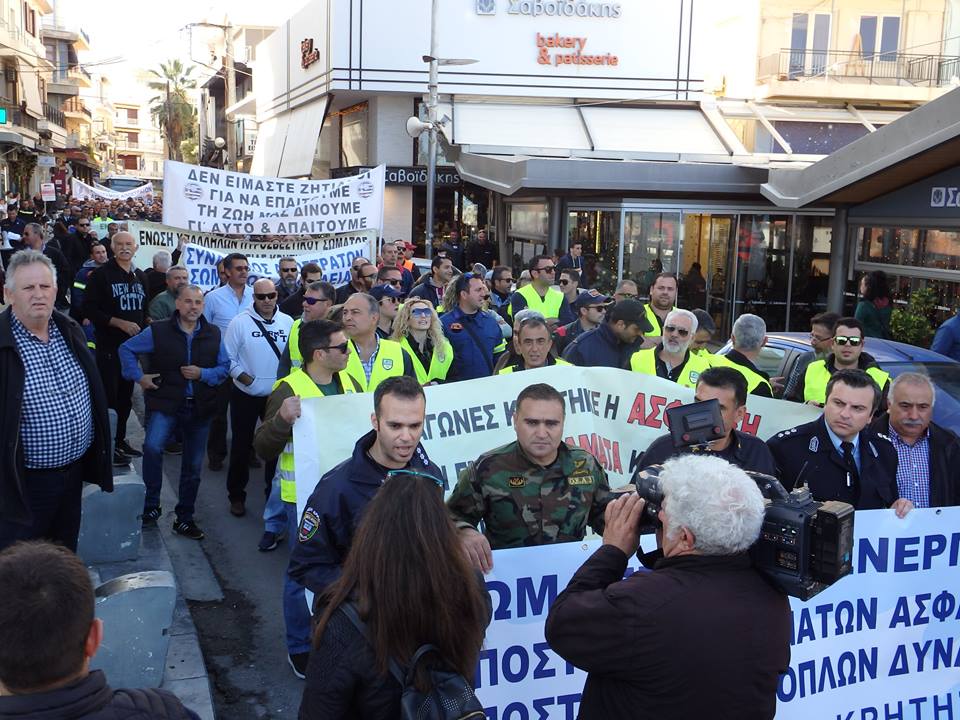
pixel 548 306
pixel 645 361
pixel 438 370
pixel 513 368
pixel 389 363
pixel 304 386
pixel 296 359
pixel 653 320
pixel 818 375
pixel 753 379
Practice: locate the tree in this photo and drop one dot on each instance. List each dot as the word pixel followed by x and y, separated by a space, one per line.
pixel 172 108
pixel 912 325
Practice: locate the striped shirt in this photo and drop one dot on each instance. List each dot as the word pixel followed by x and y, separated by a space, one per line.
pixel 913 470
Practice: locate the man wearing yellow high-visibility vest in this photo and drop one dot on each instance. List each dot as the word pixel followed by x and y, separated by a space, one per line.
pixel 663 298
pixel 671 359
pixel 749 335
pixel 318 298
pixel 325 345
pixel 372 359
pixel 540 296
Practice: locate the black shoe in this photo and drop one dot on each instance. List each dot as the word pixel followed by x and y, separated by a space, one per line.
pixel 151 516
pixel 237 508
pixel 120 460
pixel 216 464
pixel 269 541
pixel 124 447
pixel 174 448
pixel 298 661
pixel 188 529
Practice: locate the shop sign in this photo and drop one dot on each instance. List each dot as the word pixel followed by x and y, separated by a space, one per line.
pixel 406 176
pixel 943 197
pixel 557 50
pixel 552 8
pixel 308 54
pixel 933 200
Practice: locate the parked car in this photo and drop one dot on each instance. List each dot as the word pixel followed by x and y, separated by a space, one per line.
pixel 781 351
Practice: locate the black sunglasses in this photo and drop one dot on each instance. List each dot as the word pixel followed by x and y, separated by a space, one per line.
pixel 314 301
pixel 265 296
pixel 682 332
pixel 368 277
pixel 844 339
pixel 546 268
pixel 394 282
pixel 343 347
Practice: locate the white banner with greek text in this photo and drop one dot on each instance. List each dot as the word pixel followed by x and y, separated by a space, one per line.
pixel 205 199
pixel 81 191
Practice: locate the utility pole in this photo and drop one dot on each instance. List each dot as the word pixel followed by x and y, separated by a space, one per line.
pixel 231 97
pixel 432 101
pixel 170 153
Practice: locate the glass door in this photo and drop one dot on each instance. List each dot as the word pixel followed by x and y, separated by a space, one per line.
pixel 708 241
pixel 599 233
pixel 651 242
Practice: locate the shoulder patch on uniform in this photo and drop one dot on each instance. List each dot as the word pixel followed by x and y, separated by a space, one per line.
pixel 309 525
pixel 885 437
pixel 456 327
pixel 517 481
pixel 387 363
pixel 694 376
pixel 814 444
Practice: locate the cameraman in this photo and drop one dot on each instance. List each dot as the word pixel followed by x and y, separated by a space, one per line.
pixel 701 636
pixel 729 388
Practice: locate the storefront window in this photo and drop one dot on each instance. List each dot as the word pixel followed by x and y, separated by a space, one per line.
pixel 913 247
pixel 353 136
pixel 526 232
pixel 763 259
pixel 651 243
pixel 599 233
pixel 811 269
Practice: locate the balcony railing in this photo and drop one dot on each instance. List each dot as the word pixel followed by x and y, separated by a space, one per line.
pixel 880 67
pixel 54 115
pixel 16 116
pixel 75 106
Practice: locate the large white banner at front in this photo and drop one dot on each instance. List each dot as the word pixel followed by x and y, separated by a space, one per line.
pixel 613 414
pixel 81 191
pixel 881 643
pixel 205 199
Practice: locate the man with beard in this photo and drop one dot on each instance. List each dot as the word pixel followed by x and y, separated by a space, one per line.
pixel 672 359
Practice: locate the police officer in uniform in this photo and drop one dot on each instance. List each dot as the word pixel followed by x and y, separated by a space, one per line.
pixel 838 456
pixel 729 388
pixel 536 490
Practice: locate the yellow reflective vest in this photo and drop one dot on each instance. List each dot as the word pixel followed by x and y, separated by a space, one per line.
pixel 296 359
pixel 513 368
pixel 303 386
pixel 389 363
pixel 548 306
pixel 438 369
pixel 645 361
pixel 818 375
pixel 754 379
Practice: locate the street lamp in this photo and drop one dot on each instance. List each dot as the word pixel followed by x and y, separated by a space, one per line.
pixel 416 127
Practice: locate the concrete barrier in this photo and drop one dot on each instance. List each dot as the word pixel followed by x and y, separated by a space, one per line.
pixel 137 612
pixel 110 523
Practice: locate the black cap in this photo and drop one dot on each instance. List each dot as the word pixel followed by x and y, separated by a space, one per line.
pixel 382 291
pixel 631 312
pixel 588 299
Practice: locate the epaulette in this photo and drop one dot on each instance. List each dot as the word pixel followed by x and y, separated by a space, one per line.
pixel 884 437
pixel 786 433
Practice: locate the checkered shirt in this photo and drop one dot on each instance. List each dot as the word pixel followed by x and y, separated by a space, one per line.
pixel 913 471
pixel 368 364
pixel 56 420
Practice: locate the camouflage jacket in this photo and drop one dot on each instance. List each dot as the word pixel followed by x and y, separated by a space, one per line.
pixel 522 503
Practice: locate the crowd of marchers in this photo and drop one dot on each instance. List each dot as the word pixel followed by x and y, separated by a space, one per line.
pixel 253 353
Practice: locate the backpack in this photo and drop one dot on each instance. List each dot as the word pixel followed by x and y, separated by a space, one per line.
pixel 450 697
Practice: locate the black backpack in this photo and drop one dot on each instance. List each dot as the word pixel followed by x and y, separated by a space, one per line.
pixel 450 697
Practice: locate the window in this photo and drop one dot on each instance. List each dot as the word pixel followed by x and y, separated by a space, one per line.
pixel 132 115
pixel 129 162
pixel 883 32
pixel 29 20
pixel 353 136
pixel 808 50
pixel 51 52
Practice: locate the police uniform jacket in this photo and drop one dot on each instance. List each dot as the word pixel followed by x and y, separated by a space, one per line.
pixel 944 462
pixel 746 451
pixel 334 511
pixel 806 455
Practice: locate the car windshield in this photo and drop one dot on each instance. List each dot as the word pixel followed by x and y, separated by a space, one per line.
pixel 945 376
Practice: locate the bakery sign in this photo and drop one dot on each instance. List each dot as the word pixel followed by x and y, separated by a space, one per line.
pixel 556 50
pixel 308 54
pixel 551 8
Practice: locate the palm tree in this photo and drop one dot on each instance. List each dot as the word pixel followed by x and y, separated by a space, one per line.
pixel 172 109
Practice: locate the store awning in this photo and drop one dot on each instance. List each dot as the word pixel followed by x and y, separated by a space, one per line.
pixel 271 136
pixel 30 85
pixel 303 132
pixel 921 143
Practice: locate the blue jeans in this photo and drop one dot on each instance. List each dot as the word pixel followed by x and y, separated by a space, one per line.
pixel 296 614
pixel 159 428
pixel 274 512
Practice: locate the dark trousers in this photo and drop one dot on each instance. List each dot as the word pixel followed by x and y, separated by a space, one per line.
pixel 160 428
pixel 217 439
pixel 119 391
pixel 245 410
pixel 53 497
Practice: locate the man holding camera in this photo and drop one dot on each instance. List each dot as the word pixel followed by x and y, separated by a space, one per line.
pixel 703 635
pixel 838 455
pixel 729 388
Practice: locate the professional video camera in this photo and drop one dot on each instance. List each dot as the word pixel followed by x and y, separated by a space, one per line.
pixel 804 545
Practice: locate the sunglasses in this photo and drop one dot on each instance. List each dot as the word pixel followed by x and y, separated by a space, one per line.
pixel 314 301
pixel 415 473
pixel 547 268
pixel 265 296
pixel 368 277
pixel 682 332
pixel 564 282
pixel 288 270
pixel 342 347
pixel 421 312
pixel 394 282
pixel 627 296
pixel 845 340
pixel 83 224
pixel 505 279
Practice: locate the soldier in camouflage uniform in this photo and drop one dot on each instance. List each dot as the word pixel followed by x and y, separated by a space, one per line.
pixel 533 491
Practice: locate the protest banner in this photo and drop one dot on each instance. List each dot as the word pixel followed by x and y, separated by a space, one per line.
pixel 613 414
pixel 880 643
pixel 81 191
pixel 220 201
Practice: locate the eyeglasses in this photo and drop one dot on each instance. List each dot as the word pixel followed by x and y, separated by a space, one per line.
pixel 394 282
pixel 682 332
pixel 314 301
pixel 394 300
pixel 416 473
pixel 817 338
pixel 564 282
pixel 368 277
pixel 265 296
pixel 342 347
pixel 421 312
pixel 288 270
pixel 844 340
pixel 626 296
pixel 505 279
pixel 83 224
pixel 546 268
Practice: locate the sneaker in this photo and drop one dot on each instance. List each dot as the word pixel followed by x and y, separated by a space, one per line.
pixel 151 516
pixel 124 447
pixel 120 460
pixel 237 508
pixel 298 661
pixel 188 529
pixel 270 541
pixel 174 448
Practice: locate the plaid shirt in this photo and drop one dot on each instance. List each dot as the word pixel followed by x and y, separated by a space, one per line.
pixel 368 364
pixel 56 421
pixel 913 471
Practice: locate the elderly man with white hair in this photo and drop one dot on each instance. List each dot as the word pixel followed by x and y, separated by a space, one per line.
pixel 703 634
pixel 928 454
pixel 671 359
pixel 748 336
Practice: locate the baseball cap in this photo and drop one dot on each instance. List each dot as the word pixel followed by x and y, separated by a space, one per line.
pixel 586 299
pixel 631 312
pixel 382 291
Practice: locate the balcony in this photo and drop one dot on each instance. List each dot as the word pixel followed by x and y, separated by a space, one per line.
pixel 139 146
pixel 75 108
pixel 53 115
pixel 15 116
pixel 69 80
pixel 892 76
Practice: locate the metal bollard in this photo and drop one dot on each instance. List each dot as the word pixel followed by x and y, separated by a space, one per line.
pixel 110 523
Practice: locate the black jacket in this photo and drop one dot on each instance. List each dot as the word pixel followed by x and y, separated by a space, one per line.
pixel 92 699
pixel 112 292
pixel 97 467
pixel 599 347
pixel 944 462
pixel 170 354
pixel 699 637
pixel 806 455
pixel 747 451
pixel 333 512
